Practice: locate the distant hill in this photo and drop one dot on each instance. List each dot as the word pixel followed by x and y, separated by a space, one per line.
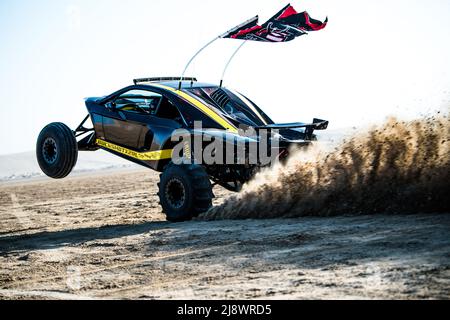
pixel 24 165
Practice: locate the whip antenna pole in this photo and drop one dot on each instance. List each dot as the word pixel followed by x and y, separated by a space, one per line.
pixel 224 35
pixel 193 58
pixel 229 62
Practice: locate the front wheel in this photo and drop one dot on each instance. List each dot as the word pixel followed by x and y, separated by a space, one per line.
pixel 185 191
pixel 57 150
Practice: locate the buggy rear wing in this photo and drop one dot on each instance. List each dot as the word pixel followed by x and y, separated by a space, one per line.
pixel 317 124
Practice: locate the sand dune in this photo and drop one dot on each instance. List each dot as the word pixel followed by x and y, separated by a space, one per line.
pixel 104 236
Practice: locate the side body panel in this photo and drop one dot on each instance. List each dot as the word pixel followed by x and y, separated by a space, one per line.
pixel 136 137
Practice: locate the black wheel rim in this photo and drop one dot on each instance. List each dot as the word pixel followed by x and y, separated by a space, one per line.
pixel 175 193
pixel 50 150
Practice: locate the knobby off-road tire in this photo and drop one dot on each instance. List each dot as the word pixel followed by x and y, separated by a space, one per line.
pixel 185 191
pixel 57 150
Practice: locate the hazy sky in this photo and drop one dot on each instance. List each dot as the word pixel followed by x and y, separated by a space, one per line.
pixel 375 58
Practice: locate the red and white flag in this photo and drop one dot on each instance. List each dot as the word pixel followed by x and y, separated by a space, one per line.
pixel 285 26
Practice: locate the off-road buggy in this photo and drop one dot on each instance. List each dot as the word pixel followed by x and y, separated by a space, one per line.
pixel 138 123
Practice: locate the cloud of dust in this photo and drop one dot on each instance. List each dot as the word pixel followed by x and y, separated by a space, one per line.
pixel 399 167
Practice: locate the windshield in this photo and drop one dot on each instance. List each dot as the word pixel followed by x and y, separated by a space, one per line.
pixel 233 105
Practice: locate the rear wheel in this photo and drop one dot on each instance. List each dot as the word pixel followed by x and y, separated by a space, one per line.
pixel 185 191
pixel 57 150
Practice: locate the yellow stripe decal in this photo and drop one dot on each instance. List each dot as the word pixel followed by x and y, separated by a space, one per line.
pixel 145 156
pixel 204 108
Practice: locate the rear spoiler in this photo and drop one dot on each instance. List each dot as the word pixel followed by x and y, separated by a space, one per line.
pixel 317 124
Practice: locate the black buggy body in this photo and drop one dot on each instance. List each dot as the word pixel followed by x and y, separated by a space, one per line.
pixel 139 123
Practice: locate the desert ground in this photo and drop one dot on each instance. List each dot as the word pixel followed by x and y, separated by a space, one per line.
pixel 103 236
